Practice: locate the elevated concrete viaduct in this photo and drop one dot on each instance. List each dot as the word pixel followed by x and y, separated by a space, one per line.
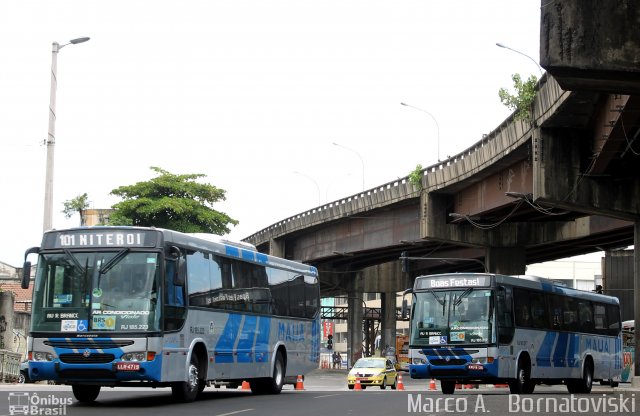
pixel 564 182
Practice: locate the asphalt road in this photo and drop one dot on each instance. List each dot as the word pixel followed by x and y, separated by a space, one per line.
pixel 325 394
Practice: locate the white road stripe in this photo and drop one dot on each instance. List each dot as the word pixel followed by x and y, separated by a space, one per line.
pixel 237 411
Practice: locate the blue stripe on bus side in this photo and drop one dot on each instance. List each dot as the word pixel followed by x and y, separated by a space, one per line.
pixel 224 347
pixel 573 353
pixel 261 258
pixel 560 351
pixel 262 340
pixel 246 339
pixel 543 359
pixel 248 255
pixel 547 287
pixel 232 251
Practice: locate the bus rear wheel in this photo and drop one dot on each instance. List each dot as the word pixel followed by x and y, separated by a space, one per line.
pixel 187 391
pixel 271 385
pixel 584 384
pixel 85 394
pixel 448 386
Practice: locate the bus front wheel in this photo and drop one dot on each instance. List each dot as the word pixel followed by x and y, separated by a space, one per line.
pixel 187 391
pixel 522 384
pixel 85 394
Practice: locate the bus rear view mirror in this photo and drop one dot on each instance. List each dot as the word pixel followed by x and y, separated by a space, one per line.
pixel 26 267
pixel 26 275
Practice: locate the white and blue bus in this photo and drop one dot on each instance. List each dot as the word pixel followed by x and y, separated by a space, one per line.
pixel 132 306
pixel 521 331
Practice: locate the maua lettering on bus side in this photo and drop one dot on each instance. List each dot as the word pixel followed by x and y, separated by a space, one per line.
pixel 290 331
pixel 101 239
pixel 597 344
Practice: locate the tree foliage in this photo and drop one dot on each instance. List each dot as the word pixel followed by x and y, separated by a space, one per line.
pixel 175 202
pixel 523 100
pixel 77 204
pixel 415 177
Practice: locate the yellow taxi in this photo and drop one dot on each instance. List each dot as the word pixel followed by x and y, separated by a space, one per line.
pixel 373 371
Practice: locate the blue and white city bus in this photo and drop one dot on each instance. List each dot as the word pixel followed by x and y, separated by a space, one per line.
pixel 132 306
pixel 488 328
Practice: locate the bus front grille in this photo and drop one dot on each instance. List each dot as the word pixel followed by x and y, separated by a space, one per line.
pixel 91 359
pixel 453 361
pixel 88 343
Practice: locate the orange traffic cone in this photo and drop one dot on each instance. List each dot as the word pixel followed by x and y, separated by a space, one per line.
pixel 245 385
pixel 357 386
pixel 300 383
pixel 400 383
pixel 432 384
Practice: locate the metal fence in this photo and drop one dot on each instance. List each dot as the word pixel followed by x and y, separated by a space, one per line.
pixel 9 366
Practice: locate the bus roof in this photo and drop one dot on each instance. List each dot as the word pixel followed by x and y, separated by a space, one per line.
pixel 464 280
pixel 96 237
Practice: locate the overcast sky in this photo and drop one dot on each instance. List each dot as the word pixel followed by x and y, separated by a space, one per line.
pixel 247 93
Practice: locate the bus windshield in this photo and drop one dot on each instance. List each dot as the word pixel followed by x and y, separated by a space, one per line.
pixel 446 317
pixel 97 291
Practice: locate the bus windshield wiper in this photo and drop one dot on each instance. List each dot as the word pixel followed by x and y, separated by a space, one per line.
pixel 74 260
pixel 440 301
pixel 114 260
pixel 462 296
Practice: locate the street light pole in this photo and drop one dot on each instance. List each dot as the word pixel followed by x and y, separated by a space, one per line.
pixel 523 54
pixel 434 120
pixel 51 137
pixel 312 180
pixel 359 157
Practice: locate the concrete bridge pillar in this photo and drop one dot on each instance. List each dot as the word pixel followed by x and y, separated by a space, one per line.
pixel 636 299
pixel 388 335
pixel 355 303
pixel 276 247
pixel 506 260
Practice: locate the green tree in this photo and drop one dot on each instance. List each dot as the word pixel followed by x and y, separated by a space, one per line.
pixel 77 204
pixel 523 100
pixel 175 202
pixel 415 177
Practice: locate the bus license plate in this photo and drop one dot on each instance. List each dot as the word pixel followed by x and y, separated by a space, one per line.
pixel 476 367
pixel 123 366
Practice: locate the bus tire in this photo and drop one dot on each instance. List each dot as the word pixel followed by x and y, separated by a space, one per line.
pixel 522 384
pixel 448 386
pixel 187 391
pixel 86 393
pixel 584 384
pixel 271 385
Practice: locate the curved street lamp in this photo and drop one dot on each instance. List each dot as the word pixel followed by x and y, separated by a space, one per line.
pixel 434 120
pixel 51 137
pixel 312 180
pixel 359 157
pixel 523 54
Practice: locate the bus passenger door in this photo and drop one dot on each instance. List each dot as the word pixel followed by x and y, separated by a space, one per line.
pixel 504 322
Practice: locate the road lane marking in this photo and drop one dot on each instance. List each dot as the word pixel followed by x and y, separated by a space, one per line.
pixel 236 412
pixel 327 395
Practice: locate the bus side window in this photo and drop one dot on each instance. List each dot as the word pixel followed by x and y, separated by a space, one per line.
pixel 504 313
pixel 585 314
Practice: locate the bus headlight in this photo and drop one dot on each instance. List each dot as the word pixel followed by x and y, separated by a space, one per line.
pixel 419 361
pixel 41 356
pixel 134 356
